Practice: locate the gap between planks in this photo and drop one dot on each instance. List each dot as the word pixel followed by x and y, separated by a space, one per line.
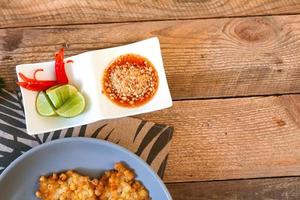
pixel 215 58
pixel 150 20
pixel 238 138
pixel 231 97
pixel 270 188
pixel 26 13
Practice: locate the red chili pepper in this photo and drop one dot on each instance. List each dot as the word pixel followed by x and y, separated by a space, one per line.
pixel 60 72
pixel 25 78
pixel 40 85
pixel 35 72
pixel 34 84
pixel 69 61
pixel 37 86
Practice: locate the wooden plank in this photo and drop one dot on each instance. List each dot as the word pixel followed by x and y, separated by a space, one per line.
pixel 232 138
pixel 45 12
pixel 203 58
pixel 275 188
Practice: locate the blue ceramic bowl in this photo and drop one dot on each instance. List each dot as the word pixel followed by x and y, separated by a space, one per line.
pixel 85 155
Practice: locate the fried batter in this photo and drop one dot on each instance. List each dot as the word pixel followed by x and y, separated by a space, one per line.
pixel 115 184
pixel 120 184
pixel 66 186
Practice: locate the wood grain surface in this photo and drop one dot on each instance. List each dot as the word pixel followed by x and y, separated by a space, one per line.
pixel 258 189
pixel 232 138
pixel 16 13
pixel 203 58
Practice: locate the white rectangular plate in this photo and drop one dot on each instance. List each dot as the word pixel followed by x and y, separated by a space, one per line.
pixel 86 74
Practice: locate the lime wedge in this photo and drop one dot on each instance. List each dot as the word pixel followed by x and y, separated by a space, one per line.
pixel 72 107
pixel 61 93
pixel 43 105
pixel 63 100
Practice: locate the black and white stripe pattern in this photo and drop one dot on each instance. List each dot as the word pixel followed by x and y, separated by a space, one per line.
pixel 148 140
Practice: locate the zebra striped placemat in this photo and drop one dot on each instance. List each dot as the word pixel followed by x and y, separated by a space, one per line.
pixel 148 140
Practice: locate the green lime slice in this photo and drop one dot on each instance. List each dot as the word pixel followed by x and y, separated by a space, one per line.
pixel 72 107
pixel 61 93
pixel 43 105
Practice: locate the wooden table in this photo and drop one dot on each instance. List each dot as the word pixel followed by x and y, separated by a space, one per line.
pixel 233 69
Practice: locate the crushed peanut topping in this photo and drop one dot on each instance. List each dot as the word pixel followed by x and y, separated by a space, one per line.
pixel 131 80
